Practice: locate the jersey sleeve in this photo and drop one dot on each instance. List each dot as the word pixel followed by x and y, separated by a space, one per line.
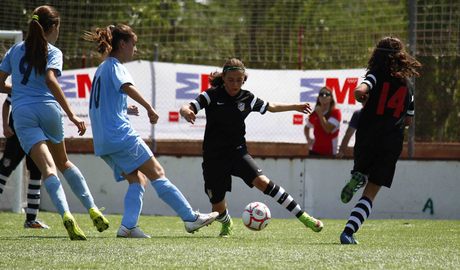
pixel 410 108
pixel 202 101
pixel 371 79
pixel 54 60
pixel 258 105
pixel 122 76
pixel 5 65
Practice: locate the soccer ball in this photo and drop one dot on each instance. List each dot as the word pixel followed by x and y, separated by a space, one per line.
pixel 256 216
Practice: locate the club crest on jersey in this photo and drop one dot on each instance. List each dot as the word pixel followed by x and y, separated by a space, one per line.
pixel 241 106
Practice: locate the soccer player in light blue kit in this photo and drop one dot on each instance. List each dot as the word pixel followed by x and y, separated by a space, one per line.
pixel 37 99
pixel 116 142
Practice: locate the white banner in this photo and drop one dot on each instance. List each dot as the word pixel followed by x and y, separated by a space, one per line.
pixel 177 84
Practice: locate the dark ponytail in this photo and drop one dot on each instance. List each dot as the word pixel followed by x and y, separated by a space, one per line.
pixel 36 55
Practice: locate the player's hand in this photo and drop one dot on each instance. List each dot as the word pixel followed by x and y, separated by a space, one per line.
pixel 153 116
pixel 362 97
pixel 188 114
pixel 133 110
pixel 8 131
pixel 408 121
pixel 79 123
pixel 304 108
pixel 341 153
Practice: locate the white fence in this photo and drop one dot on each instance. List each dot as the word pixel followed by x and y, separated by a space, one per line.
pixel 421 189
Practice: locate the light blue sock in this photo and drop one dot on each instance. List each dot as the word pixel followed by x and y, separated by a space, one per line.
pixel 169 193
pixel 56 192
pixel 79 187
pixel 133 205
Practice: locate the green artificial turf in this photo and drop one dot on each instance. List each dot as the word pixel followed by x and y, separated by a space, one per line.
pixel 284 244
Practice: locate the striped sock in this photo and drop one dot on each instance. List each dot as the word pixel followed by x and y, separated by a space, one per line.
pixel 3 180
pixel 33 199
pixel 224 217
pixel 283 198
pixel 358 215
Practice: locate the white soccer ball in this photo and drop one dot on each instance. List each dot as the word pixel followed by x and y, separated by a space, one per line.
pixel 256 216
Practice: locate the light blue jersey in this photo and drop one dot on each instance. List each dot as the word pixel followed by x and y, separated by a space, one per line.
pixel 28 86
pixel 108 108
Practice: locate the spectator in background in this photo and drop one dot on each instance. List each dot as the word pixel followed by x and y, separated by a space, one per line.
pixel 12 156
pixel 325 122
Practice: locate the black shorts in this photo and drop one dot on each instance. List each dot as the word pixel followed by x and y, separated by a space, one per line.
pixel 218 169
pixel 13 155
pixel 375 155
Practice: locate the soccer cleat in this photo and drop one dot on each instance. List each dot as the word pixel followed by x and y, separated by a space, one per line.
pixel 227 229
pixel 314 224
pixel 356 182
pixel 75 233
pixel 346 239
pixel 99 221
pixel 35 224
pixel 201 221
pixel 135 232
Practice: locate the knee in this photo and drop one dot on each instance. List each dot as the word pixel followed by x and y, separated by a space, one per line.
pixel 63 165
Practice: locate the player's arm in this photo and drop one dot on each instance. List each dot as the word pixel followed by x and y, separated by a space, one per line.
pixel 53 85
pixel 346 139
pixel 283 107
pixel 132 92
pixel 7 131
pixel 4 87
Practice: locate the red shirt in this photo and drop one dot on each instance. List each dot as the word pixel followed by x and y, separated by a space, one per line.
pixel 325 143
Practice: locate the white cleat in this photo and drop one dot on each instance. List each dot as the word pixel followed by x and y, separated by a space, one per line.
pixel 135 232
pixel 201 221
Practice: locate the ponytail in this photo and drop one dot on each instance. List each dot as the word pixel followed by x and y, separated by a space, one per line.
pixel 36 45
pixel 108 38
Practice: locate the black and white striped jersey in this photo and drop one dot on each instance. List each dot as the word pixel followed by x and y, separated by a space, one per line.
pixel 225 115
pixel 389 102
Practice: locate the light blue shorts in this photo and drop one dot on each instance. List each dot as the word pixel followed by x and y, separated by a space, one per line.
pixel 38 122
pixel 129 159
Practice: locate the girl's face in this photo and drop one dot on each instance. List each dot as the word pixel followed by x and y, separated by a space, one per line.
pixel 128 49
pixel 324 97
pixel 233 80
pixel 53 34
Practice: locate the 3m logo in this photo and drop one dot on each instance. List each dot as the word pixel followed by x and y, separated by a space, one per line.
pixel 173 117
pixel 310 88
pixel 192 84
pixel 297 119
pixel 81 81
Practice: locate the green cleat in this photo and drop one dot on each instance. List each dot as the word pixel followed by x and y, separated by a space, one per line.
pixel 99 221
pixel 314 224
pixel 75 233
pixel 356 182
pixel 227 229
